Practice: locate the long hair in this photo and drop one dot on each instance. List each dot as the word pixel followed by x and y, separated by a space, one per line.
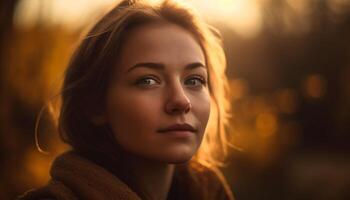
pixel 88 75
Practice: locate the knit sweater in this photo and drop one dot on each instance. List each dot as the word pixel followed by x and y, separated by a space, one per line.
pixel 75 177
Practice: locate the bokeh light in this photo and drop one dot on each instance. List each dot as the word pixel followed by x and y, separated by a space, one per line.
pixel 266 124
pixel 314 86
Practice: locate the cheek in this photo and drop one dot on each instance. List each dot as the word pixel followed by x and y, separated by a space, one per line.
pixel 135 108
pixel 128 115
pixel 201 109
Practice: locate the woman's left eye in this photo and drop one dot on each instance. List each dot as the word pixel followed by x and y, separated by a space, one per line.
pixel 147 81
pixel 195 81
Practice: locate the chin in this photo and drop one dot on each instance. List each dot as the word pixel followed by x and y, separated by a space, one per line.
pixel 178 157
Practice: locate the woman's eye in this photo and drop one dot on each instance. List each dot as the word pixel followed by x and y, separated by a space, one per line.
pixel 195 81
pixel 148 81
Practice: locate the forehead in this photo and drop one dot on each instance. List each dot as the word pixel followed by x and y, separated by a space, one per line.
pixel 162 43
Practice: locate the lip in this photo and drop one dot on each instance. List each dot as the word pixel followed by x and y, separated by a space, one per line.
pixel 178 128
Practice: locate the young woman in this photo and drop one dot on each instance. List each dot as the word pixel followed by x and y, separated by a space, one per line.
pixel 144 108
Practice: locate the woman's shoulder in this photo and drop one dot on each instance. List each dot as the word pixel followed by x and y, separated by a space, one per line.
pixel 209 179
pixel 75 177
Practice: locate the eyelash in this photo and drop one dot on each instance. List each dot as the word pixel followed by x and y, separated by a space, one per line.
pixel 202 81
pixel 139 81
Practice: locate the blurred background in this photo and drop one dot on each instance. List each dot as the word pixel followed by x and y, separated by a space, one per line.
pixel 289 71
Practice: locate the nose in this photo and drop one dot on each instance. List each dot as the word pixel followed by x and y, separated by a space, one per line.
pixel 177 102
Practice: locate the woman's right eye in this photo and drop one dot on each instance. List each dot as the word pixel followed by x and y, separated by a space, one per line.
pixel 147 81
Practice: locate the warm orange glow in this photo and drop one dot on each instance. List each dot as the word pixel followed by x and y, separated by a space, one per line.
pixel 38 166
pixel 77 13
pixel 243 16
pixel 44 74
pixel 314 86
pixel 279 91
pixel 287 100
pixel 296 16
pixel 300 6
pixel 263 104
pixel 266 124
pixel 338 6
pixel 239 88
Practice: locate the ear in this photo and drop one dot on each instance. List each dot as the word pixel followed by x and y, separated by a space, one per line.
pixel 98 120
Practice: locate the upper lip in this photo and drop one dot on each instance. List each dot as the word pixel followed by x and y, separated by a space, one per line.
pixel 178 127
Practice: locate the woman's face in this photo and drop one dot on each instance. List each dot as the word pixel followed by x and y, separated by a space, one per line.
pixel 158 101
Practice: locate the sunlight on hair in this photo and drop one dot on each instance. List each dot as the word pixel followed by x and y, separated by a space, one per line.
pixel 242 16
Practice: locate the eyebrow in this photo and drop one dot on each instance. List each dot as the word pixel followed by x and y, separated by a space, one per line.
pixel 160 66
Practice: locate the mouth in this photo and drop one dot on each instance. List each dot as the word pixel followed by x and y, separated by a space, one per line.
pixel 178 128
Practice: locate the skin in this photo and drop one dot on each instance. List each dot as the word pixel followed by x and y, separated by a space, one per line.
pixel 171 90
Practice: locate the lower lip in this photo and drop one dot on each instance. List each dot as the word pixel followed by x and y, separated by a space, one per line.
pixel 178 133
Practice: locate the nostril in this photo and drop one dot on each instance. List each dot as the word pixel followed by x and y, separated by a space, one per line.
pixel 188 108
